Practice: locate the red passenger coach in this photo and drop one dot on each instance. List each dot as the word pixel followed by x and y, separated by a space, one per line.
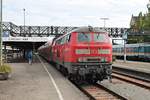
pixel 45 50
pixel 84 54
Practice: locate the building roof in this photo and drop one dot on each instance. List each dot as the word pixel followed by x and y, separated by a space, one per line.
pixel 133 20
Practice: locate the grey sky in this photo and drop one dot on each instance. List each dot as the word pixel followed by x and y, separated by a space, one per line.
pixel 73 12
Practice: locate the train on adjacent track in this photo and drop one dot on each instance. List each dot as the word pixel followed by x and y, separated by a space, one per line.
pixel 84 54
pixel 139 51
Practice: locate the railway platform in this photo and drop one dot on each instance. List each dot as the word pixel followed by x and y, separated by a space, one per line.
pixel 133 65
pixel 39 81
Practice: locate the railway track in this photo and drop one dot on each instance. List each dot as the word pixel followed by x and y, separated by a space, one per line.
pixel 140 75
pixel 127 78
pixel 132 76
pixel 99 92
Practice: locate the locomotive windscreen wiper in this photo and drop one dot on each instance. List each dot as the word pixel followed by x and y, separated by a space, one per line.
pixel 98 35
pixel 85 35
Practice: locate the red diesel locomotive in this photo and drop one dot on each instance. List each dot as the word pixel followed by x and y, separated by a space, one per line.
pixel 83 54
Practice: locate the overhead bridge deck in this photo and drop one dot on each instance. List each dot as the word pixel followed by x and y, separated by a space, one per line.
pixel 45 31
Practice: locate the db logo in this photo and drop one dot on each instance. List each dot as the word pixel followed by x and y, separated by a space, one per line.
pixel 94 51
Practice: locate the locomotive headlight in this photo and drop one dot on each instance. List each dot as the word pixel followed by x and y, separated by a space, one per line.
pixel 103 59
pixel 104 51
pixel 81 59
pixel 82 51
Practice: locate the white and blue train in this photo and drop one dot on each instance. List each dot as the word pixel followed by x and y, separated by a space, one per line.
pixel 140 51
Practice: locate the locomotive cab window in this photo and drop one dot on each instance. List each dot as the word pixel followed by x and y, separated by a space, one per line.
pixel 84 37
pixel 100 37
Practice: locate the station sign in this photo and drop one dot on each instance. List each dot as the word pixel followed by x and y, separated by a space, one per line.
pixel 5 34
pixel 26 39
pixel 125 36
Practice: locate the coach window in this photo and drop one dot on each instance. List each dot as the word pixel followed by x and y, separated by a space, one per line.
pixel 62 40
pixel 68 38
pixel 142 49
pixel 58 41
pixel 146 49
pixel 65 39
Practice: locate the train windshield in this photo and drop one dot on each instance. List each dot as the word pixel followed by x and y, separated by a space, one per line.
pixel 100 37
pixel 84 37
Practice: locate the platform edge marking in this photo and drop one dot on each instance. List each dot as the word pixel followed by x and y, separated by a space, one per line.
pixel 53 81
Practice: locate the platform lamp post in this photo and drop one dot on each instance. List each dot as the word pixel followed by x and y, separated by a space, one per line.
pixel 125 36
pixel 148 6
pixel 24 19
pixel 24 30
pixel 1 30
pixel 104 19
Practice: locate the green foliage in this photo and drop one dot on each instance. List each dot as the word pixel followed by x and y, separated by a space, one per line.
pixel 147 38
pixel 138 38
pixel 147 22
pixel 113 58
pixel 142 23
pixel 5 69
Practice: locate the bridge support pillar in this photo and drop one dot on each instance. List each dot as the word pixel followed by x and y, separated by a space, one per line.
pixel 24 53
pixel 5 53
pixel 13 53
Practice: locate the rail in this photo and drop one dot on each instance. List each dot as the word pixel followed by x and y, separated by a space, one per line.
pixel 140 75
pixel 99 92
pixel 142 82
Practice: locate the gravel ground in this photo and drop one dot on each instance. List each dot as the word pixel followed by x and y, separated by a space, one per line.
pixel 130 91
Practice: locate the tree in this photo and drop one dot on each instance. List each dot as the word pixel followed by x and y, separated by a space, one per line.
pixel 147 22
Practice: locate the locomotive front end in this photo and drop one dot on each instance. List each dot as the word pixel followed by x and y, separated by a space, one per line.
pixel 92 56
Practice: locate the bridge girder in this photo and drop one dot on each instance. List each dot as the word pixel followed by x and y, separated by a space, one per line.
pixel 40 31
